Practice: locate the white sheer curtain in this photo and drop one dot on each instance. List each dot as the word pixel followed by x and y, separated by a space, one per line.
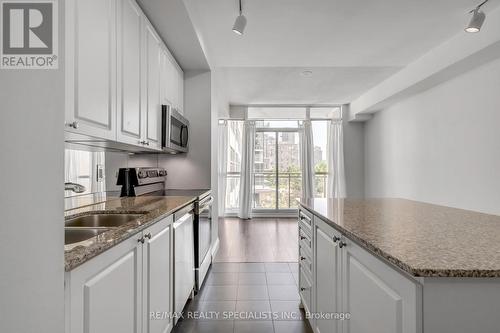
pixel 307 159
pixel 222 166
pixel 336 175
pixel 247 166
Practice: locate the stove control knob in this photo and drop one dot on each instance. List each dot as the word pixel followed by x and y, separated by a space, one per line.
pixel 143 174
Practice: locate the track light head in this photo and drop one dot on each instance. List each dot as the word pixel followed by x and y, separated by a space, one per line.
pixel 476 21
pixel 240 24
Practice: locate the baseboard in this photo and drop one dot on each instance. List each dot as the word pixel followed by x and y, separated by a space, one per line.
pixel 215 247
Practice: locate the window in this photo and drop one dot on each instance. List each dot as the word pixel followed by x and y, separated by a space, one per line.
pixel 277 173
pixel 277 178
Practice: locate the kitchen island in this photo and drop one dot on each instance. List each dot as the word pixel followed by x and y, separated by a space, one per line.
pixel 397 265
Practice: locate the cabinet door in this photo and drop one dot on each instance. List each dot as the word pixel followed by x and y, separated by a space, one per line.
pixel 105 291
pixel 129 117
pixel 153 103
pixel 184 260
pixel 91 67
pixel 180 91
pixel 327 297
pixel 157 280
pixel 167 77
pixel 378 298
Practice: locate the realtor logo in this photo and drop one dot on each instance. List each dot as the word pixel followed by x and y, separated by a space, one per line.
pixel 29 34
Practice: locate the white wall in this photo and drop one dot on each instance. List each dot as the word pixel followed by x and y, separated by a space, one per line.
pixel 31 200
pixel 354 159
pixel 192 170
pixel 441 146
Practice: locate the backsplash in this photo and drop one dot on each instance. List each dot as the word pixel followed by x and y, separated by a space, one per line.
pixel 97 171
pixel 115 161
pixel 85 168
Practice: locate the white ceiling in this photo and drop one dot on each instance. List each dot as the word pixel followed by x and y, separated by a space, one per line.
pixel 286 85
pixel 351 44
pixel 289 33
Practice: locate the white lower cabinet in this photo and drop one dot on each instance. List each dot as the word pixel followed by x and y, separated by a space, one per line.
pixel 349 280
pixel 379 298
pixel 184 261
pixel 157 278
pixel 328 298
pixel 117 290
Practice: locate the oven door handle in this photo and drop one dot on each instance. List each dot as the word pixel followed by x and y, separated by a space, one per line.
pixel 206 202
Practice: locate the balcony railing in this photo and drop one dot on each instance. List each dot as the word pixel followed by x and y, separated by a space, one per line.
pixel 273 191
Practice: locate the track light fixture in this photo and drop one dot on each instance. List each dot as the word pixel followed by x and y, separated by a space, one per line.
pixel 477 19
pixel 240 23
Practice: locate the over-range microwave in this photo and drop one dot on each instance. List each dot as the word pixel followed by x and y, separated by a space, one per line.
pixel 174 130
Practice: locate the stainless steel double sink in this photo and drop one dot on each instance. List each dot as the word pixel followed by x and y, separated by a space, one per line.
pixel 85 227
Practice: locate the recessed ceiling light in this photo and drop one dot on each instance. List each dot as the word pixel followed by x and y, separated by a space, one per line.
pixel 307 73
pixel 240 23
pixel 477 19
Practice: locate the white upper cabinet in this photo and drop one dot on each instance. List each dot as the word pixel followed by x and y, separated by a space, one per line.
pixel 129 115
pixel 91 68
pixel 153 96
pixel 180 90
pixel 167 78
pixel 119 73
pixel 172 82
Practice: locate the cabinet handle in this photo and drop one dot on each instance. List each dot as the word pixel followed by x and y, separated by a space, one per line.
pixel 303 289
pixel 302 237
pixel 73 124
pixel 342 244
pixel 141 240
pixel 148 235
pixel 302 258
pixel 336 239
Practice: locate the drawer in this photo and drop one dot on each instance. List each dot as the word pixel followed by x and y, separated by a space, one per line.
pixel 305 290
pixel 306 218
pixel 305 260
pixel 305 239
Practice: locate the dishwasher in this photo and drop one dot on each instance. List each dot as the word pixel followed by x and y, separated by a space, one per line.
pixel 184 274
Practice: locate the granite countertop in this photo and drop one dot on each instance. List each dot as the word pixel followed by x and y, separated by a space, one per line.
pixel 152 209
pixel 422 239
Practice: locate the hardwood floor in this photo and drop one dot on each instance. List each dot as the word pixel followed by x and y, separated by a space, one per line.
pixel 258 240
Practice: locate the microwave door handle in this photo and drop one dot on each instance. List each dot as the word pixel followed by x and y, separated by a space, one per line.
pixel 184 144
pixel 180 136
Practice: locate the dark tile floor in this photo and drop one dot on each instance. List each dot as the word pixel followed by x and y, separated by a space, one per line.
pixel 246 297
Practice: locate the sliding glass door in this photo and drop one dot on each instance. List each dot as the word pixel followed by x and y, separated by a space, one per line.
pixel 277 174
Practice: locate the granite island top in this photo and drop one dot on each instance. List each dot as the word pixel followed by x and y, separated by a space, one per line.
pixel 151 208
pixel 425 240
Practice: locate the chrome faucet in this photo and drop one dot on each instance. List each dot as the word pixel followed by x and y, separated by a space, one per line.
pixel 77 188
